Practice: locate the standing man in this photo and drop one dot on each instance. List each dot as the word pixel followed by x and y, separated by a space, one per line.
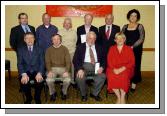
pixel 45 31
pixel 69 38
pixel 31 67
pixel 85 58
pixel 107 33
pixel 17 32
pixel 58 64
pixel 84 29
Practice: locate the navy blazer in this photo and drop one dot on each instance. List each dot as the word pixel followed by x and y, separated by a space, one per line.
pixel 79 56
pixel 102 40
pixel 17 36
pixel 34 63
pixel 81 30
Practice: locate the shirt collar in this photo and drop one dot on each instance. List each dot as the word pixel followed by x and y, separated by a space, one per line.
pixel 57 46
pixel 89 46
pixel 46 26
pixel 30 46
pixel 86 26
pixel 68 29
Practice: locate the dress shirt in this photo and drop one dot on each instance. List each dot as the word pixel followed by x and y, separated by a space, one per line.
pixel 24 28
pixel 87 53
pixel 87 28
pixel 107 28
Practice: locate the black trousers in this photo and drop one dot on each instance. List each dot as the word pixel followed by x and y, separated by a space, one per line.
pixel 26 88
pixel 138 57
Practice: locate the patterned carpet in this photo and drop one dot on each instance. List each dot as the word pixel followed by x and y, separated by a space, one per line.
pixel 144 94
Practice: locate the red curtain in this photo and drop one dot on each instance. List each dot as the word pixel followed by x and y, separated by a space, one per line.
pixel 78 10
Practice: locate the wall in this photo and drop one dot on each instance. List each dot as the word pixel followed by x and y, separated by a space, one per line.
pixel 35 12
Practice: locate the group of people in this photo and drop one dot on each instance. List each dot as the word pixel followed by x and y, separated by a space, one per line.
pixel 106 53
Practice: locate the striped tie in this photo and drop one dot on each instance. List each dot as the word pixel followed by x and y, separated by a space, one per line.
pixel 92 58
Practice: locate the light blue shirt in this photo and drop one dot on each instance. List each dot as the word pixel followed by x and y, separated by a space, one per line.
pixel 24 28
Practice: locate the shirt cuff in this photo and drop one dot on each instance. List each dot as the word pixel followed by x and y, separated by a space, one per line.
pixel 23 74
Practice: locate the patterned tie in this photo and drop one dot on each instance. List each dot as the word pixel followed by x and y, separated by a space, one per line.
pixel 30 50
pixel 92 58
pixel 108 32
pixel 26 29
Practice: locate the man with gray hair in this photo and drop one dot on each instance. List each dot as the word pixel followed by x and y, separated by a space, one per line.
pixel 69 38
pixel 87 56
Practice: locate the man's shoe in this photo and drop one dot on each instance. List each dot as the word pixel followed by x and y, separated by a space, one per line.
pixel 84 98
pixel 63 96
pixel 53 97
pixel 28 101
pixel 38 101
pixel 97 98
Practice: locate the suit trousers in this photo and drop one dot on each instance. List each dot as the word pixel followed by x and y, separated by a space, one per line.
pixel 26 88
pixel 58 73
pixel 98 80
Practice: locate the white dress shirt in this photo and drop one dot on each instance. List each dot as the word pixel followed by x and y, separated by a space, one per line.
pixel 107 28
pixel 87 53
pixel 87 28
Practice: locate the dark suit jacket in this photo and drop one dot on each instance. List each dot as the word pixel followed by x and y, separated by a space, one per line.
pixel 35 63
pixel 81 30
pixel 17 36
pixel 79 56
pixel 102 40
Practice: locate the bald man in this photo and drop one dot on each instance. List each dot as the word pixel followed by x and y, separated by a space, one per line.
pixel 107 33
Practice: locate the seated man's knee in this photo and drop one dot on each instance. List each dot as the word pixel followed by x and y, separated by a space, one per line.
pixel 50 80
pixel 67 80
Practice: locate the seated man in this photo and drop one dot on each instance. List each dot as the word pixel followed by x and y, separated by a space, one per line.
pixel 30 67
pixel 85 57
pixel 58 63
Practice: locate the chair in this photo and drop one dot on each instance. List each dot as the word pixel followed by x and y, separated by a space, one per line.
pixel 7 67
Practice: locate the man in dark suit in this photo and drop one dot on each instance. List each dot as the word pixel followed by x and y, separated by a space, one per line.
pixel 17 32
pixel 107 33
pixel 84 29
pixel 30 67
pixel 87 56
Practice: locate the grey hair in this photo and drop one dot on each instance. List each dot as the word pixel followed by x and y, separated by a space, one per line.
pixel 91 33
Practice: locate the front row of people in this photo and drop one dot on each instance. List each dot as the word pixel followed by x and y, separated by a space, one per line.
pixel 32 63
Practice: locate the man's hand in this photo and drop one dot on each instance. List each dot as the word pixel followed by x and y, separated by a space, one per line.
pixel 38 77
pixel 65 74
pixel 24 79
pixel 50 74
pixel 80 73
pixel 100 70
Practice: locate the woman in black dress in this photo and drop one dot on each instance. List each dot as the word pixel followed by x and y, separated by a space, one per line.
pixel 135 35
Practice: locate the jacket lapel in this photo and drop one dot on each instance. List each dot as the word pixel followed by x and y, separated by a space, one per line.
pixel 21 29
